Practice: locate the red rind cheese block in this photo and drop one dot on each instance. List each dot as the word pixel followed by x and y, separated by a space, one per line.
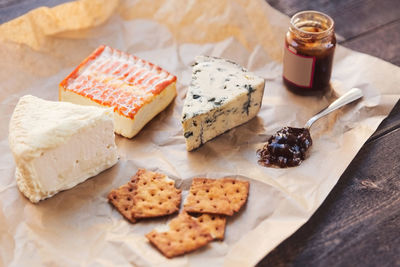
pixel 136 89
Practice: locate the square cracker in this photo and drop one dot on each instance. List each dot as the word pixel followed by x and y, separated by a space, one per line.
pixel 185 235
pixel 223 196
pixel 122 199
pixel 155 195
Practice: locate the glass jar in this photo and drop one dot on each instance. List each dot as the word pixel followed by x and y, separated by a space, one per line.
pixel 308 54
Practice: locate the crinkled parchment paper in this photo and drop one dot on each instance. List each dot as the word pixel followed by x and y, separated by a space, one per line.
pixel 78 226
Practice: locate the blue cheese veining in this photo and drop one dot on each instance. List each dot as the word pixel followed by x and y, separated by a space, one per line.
pixel 222 95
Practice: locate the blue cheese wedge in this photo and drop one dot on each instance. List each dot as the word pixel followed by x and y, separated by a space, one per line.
pixel 57 145
pixel 221 96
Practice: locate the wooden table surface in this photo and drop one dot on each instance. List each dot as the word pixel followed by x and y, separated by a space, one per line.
pixel 359 222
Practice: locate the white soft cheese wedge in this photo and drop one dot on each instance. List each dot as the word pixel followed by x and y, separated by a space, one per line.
pixel 222 95
pixel 57 145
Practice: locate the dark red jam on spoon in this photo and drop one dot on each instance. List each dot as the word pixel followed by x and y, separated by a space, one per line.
pixel 286 148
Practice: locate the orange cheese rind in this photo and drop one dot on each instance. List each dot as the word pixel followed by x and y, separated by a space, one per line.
pixel 112 78
pixel 116 79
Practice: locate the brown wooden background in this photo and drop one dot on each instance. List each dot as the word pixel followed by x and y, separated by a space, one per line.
pixel 359 223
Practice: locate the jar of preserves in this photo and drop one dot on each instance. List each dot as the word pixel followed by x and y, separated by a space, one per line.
pixel 308 54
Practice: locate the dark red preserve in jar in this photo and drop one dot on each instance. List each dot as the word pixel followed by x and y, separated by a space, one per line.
pixel 308 54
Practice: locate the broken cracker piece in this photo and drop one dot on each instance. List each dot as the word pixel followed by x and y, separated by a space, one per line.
pixel 215 224
pixel 185 235
pixel 155 195
pixel 212 196
pixel 122 199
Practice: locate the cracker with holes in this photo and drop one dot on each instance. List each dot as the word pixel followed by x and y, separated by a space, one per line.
pixel 155 195
pixel 185 234
pixel 122 199
pixel 222 196
pixel 148 194
pixel 215 224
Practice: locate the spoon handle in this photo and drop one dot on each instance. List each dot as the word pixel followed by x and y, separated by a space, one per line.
pixel 345 99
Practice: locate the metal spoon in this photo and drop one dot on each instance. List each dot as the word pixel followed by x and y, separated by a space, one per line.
pixel 345 99
pixel 288 147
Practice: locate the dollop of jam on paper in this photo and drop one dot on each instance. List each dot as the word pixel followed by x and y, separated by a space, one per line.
pixel 286 148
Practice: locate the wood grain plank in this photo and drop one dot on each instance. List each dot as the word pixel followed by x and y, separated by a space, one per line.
pixel 352 17
pixel 382 42
pixel 388 125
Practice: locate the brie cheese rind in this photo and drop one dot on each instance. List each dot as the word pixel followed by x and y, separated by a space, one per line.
pixel 58 145
pixel 137 90
pixel 221 96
